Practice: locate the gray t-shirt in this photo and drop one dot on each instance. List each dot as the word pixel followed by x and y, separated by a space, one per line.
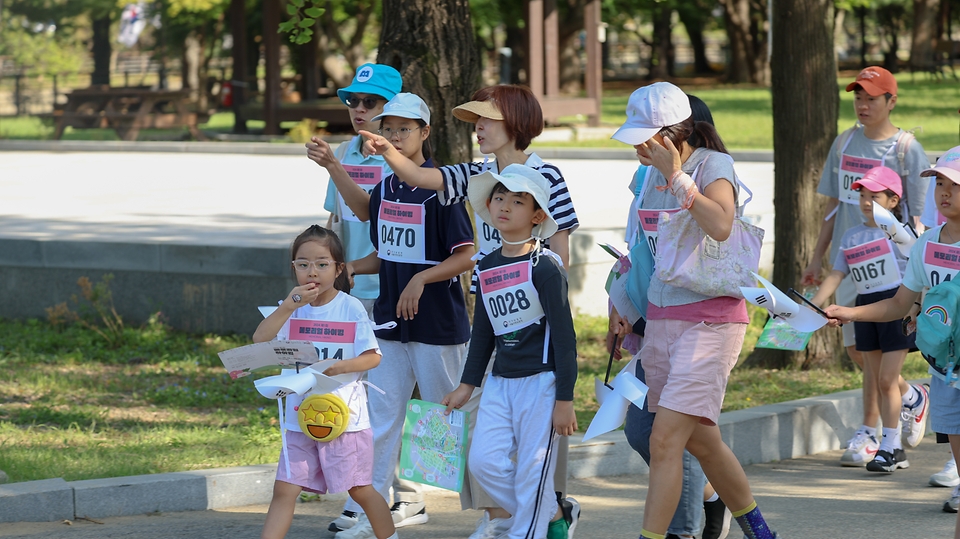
pixel 716 166
pixel 915 192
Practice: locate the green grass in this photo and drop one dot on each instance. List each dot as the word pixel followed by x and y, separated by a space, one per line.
pixel 35 128
pixel 744 114
pixel 73 407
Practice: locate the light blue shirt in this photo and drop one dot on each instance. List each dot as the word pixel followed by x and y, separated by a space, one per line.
pixel 356 235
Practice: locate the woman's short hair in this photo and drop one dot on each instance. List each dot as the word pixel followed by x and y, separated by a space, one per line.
pixel 522 116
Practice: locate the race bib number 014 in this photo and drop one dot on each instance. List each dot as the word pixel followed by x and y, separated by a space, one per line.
pixel 333 340
pixel 941 262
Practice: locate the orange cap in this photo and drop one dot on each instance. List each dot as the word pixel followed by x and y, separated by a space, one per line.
pixel 875 81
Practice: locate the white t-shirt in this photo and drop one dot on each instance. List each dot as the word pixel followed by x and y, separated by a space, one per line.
pixel 342 308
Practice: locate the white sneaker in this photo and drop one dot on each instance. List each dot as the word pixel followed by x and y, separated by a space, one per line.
pixel 488 528
pixel 914 420
pixel 951 505
pixel 361 530
pixel 861 449
pixel 947 477
pixel 345 521
pixel 408 514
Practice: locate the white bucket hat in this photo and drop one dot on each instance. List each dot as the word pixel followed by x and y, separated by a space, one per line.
pixel 405 105
pixel 650 109
pixel 517 179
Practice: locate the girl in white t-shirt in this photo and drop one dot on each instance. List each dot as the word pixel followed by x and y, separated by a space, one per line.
pixel 877 266
pixel 319 309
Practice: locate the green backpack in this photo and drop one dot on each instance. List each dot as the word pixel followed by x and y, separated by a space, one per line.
pixel 938 330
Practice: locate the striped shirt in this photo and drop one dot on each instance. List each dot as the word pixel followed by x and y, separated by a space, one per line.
pixel 455 179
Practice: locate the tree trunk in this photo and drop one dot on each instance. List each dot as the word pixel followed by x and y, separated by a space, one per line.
pixel 924 25
pixel 746 36
pixel 805 107
pixel 431 44
pixel 661 53
pixel 693 18
pixel 101 51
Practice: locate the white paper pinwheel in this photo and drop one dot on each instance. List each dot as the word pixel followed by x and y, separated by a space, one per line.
pixel 781 306
pixel 615 399
pixel 898 234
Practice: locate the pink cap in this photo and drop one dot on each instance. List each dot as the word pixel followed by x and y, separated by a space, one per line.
pixel 948 165
pixel 879 179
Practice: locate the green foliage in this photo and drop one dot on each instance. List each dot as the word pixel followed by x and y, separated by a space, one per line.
pixel 305 130
pixel 39 47
pixel 302 19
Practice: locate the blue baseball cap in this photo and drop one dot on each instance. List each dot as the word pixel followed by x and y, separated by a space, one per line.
pixel 376 79
pixel 405 105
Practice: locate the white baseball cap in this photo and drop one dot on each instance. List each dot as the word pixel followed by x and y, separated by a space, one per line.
pixel 517 179
pixel 650 109
pixel 405 105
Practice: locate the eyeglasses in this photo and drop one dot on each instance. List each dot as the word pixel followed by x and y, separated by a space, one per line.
pixel 403 132
pixel 369 102
pixel 302 265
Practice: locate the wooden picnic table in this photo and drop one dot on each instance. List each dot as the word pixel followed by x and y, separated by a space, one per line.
pixel 127 111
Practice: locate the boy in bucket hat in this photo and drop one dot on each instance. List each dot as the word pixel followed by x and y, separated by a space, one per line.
pixel 873 142
pixel 523 313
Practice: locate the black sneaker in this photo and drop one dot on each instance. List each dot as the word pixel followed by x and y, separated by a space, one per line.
pixel 571 513
pixel 717 520
pixel 887 462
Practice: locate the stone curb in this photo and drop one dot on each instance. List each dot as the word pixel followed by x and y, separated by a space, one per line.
pixel 762 434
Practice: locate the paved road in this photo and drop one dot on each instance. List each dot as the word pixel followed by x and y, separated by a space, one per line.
pixel 809 497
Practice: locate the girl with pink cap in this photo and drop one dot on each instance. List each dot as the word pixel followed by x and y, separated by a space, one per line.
pixel 876 266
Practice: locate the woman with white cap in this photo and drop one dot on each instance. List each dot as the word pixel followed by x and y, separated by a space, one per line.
pixel 698 337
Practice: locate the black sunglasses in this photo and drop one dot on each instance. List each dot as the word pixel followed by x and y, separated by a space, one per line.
pixel 369 102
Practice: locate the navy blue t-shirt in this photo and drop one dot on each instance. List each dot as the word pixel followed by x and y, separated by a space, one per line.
pixel 442 315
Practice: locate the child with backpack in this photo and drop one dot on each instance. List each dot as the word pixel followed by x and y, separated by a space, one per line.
pixel 872 142
pixel 934 260
pixel 876 266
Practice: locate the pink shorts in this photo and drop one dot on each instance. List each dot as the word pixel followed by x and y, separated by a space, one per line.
pixel 687 365
pixel 335 466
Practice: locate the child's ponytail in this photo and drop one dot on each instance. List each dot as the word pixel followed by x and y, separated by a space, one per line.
pixel 896 211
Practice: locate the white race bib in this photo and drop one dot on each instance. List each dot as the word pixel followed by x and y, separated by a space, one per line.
pixel 402 231
pixel 367 177
pixel 488 238
pixel 873 266
pixel 333 340
pixel 509 297
pixel 941 262
pixel 648 225
pixel 852 169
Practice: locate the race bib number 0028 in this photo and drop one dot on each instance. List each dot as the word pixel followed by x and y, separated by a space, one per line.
pixel 509 297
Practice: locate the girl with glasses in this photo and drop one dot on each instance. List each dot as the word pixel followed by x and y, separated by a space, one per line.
pixel 336 463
